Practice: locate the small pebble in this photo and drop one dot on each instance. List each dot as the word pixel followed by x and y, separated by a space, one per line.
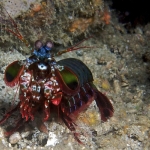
pixel 25 134
pixel 116 85
pixel 105 84
pixel 14 138
pixel 79 53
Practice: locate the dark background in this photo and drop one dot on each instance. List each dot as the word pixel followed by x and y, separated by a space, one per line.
pixel 132 12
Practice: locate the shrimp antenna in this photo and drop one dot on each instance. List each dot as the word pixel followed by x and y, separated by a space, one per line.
pixel 16 33
pixel 75 47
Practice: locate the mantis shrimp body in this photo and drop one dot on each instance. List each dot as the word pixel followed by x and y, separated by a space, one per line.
pixel 46 85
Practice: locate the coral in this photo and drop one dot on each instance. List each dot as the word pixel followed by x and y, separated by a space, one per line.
pixel 37 7
pixel 106 17
pixel 80 24
pixel 60 21
pixel 99 15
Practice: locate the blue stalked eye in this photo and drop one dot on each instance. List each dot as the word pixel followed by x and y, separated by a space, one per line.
pixel 49 45
pixel 38 44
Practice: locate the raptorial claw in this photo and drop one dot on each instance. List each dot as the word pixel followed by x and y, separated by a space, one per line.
pixel 46 116
pixel 71 126
pixel 18 125
pixel 8 114
pixel 46 110
pixel 30 113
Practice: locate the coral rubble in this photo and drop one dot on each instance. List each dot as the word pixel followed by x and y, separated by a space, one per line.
pixel 58 20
